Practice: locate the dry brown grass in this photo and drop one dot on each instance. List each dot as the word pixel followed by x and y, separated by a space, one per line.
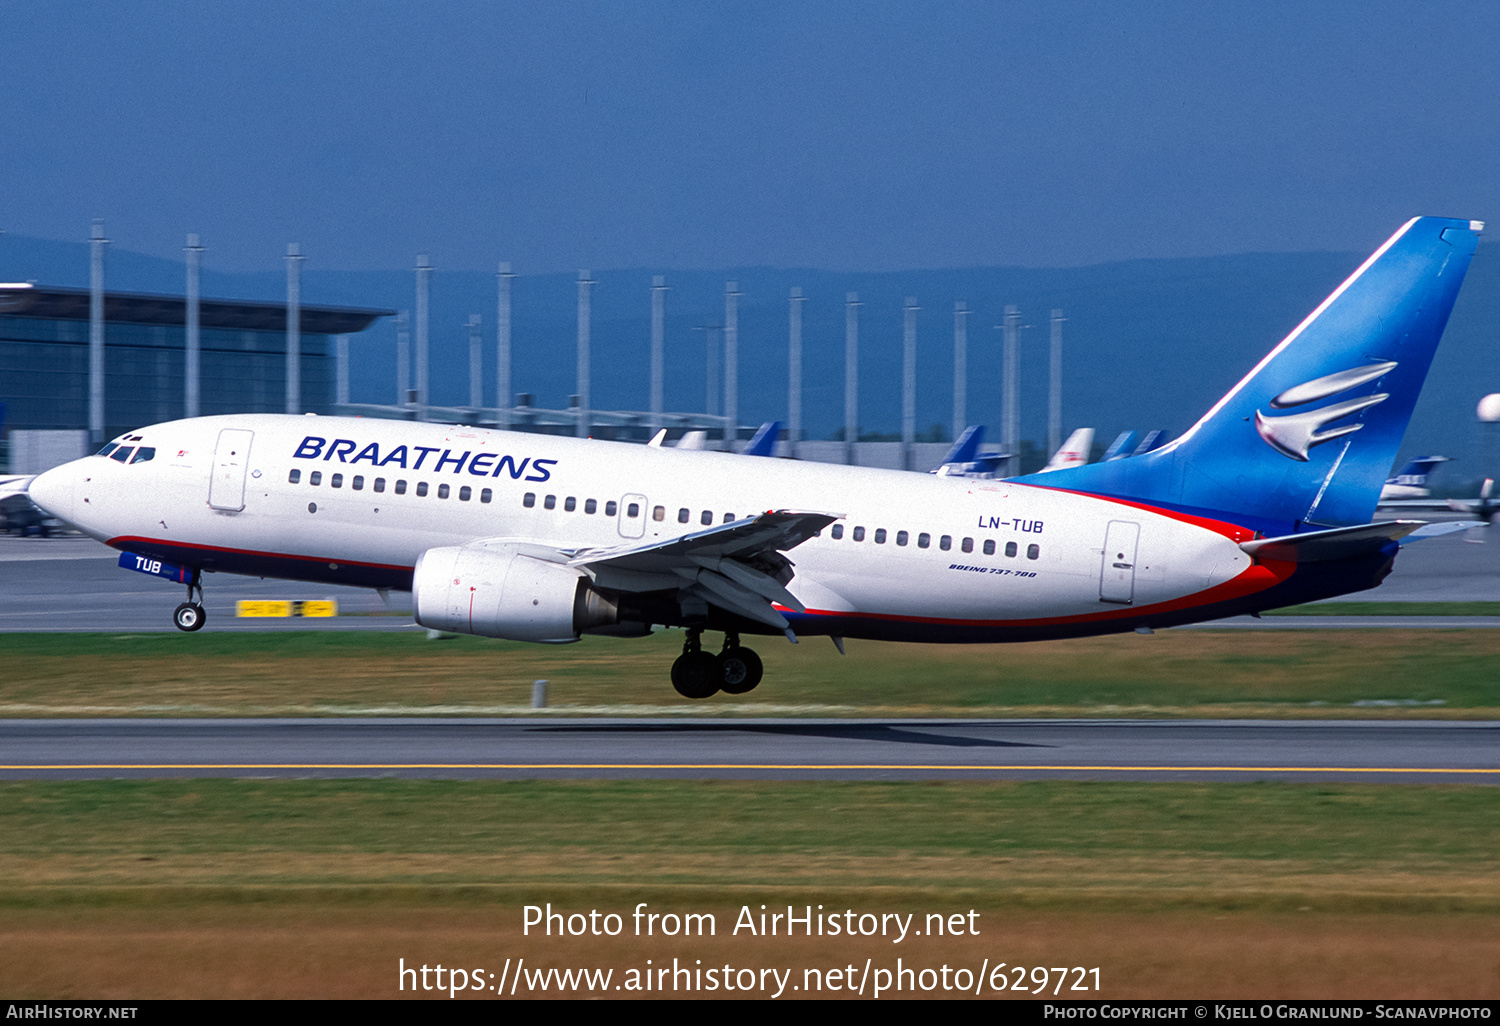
pixel 315 948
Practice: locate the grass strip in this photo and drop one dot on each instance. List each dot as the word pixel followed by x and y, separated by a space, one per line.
pixel 1172 673
pixel 1390 609
pixel 1262 845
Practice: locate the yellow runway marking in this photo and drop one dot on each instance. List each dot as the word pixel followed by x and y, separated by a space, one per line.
pixel 731 766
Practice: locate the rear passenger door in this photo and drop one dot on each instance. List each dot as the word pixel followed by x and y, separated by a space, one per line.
pixel 1117 574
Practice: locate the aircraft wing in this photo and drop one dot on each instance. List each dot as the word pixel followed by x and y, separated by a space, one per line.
pixel 14 485
pixel 736 566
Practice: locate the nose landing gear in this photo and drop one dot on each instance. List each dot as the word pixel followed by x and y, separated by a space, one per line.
pixel 190 615
pixel 699 674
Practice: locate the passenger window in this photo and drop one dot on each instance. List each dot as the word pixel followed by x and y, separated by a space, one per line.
pixel 122 454
pixel 683 516
pixel 401 486
pixel 294 477
pixel 570 504
pixel 421 487
pixel 706 518
pixel 879 536
pixel 633 510
pixel 1033 552
pixel 611 508
pixel 528 500
pixel 315 478
pixel 464 493
pixel 859 534
pixel 591 506
pixel 1010 549
pixel 968 545
pixel 901 537
pixel 442 491
pixel 144 454
pixel 550 502
pixel 486 494
pixel 336 481
pixel 923 540
pixel 945 542
pixel 358 484
pixel 379 484
pixel 728 518
pixel 659 514
pixel 989 546
pixel 838 531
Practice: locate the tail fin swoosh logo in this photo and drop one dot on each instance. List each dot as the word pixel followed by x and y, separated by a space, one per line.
pixel 1295 434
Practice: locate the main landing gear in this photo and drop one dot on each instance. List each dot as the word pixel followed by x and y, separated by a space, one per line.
pixel 699 674
pixel 190 615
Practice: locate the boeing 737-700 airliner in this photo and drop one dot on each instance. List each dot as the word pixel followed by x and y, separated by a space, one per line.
pixel 1264 502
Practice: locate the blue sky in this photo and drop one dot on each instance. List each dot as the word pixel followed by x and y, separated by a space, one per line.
pixel 846 136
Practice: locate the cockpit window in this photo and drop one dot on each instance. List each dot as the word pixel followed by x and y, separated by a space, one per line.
pixel 111 447
pixel 122 453
pixel 143 454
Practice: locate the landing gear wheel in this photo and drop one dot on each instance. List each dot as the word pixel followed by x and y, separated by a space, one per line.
pixel 189 617
pixel 696 675
pixel 739 670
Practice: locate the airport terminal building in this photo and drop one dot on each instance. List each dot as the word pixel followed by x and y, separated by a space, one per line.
pixel 45 342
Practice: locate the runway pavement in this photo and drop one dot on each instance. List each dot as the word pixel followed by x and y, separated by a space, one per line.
pixel 1349 751
pixel 73 584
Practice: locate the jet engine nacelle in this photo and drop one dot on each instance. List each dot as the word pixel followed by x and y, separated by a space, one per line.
pixel 498 591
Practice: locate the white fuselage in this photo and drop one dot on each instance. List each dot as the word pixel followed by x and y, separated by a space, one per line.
pixel 915 555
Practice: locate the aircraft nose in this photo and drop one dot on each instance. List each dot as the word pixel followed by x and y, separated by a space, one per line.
pixel 54 491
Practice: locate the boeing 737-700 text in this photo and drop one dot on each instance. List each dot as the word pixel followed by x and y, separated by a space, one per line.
pixel 1266 501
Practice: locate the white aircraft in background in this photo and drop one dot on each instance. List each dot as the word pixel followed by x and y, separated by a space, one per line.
pixel 965 459
pixel 1264 502
pixel 1410 482
pixel 1074 452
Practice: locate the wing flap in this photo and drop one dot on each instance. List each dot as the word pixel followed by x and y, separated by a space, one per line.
pixel 738 566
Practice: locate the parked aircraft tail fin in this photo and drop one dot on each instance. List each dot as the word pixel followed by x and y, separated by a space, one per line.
pixel 1073 453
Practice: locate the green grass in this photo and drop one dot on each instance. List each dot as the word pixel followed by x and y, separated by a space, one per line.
pixel 1390 609
pixel 1053 841
pixel 1171 673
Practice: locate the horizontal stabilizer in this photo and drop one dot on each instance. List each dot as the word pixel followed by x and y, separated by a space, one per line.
pixel 14 486
pixel 1438 530
pixel 1338 543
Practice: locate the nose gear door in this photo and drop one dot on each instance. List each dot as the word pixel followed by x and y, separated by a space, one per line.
pixel 226 490
pixel 1117 574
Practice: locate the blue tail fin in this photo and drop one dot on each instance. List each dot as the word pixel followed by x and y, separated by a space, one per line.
pixel 1121 447
pixel 1309 435
pixel 966 449
pixel 763 443
pixel 1153 441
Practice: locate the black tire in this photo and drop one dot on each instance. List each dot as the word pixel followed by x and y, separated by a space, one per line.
pixel 740 670
pixel 189 617
pixel 696 675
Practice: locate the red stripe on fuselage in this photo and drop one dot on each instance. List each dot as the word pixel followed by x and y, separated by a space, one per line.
pixel 1254 578
pixel 1234 532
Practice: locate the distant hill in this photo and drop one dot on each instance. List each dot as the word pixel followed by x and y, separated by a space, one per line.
pixel 1147 343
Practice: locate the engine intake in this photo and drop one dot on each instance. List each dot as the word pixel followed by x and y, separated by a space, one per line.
pixel 499 591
